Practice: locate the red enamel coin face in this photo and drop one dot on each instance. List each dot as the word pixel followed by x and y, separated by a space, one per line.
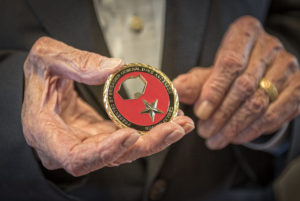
pixel 140 96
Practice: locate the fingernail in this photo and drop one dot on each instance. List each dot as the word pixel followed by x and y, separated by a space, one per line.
pixel 188 127
pixel 210 144
pixel 216 142
pixel 202 132
pixel 204 110
pixel 206 129
pixel 174 136
pixel 109 63
pixel 131 140
pixel 180 113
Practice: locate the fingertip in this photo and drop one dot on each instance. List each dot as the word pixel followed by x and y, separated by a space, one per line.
pixel 100 67
pixel 204 110
pixel 110 63
pixel 122 138
pixel 187 87
pixel 174 136
pixel 132 136
pixel 163 130
pixel 185 122
pixel 210 145
pixel 177 82
pixel 188 127
pixel 216 142
pixel 180 113
pixel 128 142
pixel 201 133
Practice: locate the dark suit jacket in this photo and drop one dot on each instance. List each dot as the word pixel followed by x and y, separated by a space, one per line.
pixel 186 171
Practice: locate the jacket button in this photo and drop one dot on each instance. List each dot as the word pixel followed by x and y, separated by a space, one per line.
pixel 158 189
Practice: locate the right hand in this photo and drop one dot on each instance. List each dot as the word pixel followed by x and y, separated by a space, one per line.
pixel 227 98
pixel 64 130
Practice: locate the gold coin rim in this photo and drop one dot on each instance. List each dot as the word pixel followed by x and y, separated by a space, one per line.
pixel 108 109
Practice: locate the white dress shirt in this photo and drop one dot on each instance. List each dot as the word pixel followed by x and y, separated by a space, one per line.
pixel 144 46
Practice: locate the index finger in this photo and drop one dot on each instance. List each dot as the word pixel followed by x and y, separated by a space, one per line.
pixel 58 58
pixel 231 60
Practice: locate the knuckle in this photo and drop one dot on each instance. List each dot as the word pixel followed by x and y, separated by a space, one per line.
pixel 29 139
pixel 294 80
pixel 48 162
pixel 232 63
pixel 275 42
pixel 71 163
pixel 232 128
pixel 38 47
pixel 249 21
pixel 34 58
pixel 82 61
pixel 28 131
pixel 257 104
pixel 105 157
pixel 246 85
pixel 74 168
pixel 218 89
pixel 270 117
pixel 292 62
pixel 223 113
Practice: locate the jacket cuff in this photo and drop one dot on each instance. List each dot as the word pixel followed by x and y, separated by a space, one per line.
pixel 275 144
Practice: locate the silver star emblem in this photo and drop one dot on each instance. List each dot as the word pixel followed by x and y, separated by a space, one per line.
pixel 151 109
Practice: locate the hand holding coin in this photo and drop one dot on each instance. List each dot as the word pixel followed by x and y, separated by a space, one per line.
pixel 64 130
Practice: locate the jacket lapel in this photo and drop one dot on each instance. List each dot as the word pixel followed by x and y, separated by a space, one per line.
pixel 74 23
pixel 183 37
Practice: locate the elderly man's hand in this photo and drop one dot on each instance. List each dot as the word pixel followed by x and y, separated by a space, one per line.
pixel 64 130
pixel 227 98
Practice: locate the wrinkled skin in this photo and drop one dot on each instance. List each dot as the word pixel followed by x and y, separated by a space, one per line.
pixel 65 131
pixel 227 99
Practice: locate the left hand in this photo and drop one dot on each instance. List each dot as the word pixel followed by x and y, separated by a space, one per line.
pixel 68 133
pixel 227 99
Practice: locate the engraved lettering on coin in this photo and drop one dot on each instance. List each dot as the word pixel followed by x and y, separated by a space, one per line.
pixel 140 96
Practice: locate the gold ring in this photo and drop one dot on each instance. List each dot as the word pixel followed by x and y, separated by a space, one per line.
pixel 269 88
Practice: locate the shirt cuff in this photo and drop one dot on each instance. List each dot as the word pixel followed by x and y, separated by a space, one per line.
pixel 276 144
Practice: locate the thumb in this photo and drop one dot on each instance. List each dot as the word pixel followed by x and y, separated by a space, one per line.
pixel 71 63
pixel 189 85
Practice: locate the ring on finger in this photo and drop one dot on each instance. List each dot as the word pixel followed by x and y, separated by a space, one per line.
pixel 269 88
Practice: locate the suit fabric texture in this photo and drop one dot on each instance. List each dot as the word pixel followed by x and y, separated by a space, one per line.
pixel 187 170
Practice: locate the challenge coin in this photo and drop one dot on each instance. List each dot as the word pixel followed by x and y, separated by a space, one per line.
pixel 140 96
